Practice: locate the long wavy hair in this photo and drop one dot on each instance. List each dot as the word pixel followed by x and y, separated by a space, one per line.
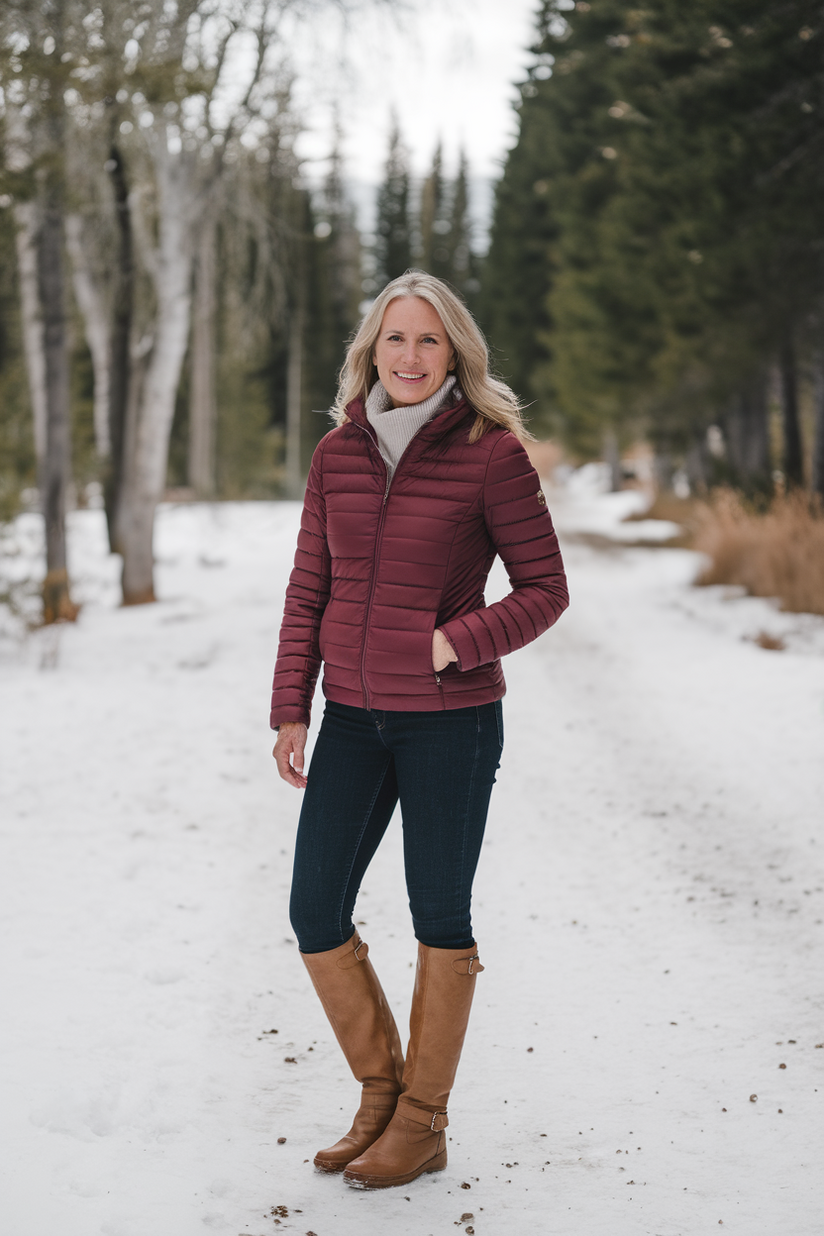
pixel 491 399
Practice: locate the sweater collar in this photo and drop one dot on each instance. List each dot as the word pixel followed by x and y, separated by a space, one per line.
pixel 446 418
pixel 379 402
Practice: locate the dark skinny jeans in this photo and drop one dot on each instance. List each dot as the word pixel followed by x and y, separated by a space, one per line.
pixel 441 767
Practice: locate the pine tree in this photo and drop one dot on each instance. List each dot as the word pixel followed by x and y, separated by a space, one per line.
pixel 463 273
pixel 393 241
pixel 336 295
pixel 517 273
pixel 679 247
pixel 435 222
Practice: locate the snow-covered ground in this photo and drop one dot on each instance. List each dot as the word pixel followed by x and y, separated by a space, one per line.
pixel 645 1052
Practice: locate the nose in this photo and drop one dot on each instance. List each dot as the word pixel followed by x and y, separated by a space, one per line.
pixel 410 354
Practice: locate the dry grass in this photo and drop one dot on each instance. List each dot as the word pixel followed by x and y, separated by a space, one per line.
pixel 684 511
pixel 777 553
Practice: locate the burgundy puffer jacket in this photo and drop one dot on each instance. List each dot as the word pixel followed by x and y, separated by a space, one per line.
pixel 378 567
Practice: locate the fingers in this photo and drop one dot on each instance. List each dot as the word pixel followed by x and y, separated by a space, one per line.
pixel 298 749
pixel 289 754
pixel 442 651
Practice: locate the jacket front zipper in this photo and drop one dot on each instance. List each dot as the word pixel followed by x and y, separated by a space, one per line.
pixel 373 580
pixel 376 556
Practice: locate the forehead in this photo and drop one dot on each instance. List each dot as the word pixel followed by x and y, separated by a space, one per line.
pixel 412 314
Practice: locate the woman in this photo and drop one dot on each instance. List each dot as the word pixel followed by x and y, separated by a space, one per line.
pixel 408 501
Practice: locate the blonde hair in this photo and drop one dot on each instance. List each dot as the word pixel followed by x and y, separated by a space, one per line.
pixel 491 399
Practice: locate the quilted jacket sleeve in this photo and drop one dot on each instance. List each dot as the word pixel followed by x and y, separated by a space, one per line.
pixel 521 530
pixel 298 660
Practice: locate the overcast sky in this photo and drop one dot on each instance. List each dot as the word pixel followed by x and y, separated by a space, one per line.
pixel 447 68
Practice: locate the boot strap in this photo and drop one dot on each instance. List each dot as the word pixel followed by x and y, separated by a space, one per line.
pixel 437 1121
pixel 468 965
pixel 359 953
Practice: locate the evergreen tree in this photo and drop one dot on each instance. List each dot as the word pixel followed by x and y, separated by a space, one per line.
pixel 517 273
pixel 435 222
pixel 393 242
pixel 463 274
pixel 679 251
pixel 337 291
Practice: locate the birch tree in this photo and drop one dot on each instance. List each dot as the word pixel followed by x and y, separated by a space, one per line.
pixel 158 99
pixel 203 394
pixel 201 82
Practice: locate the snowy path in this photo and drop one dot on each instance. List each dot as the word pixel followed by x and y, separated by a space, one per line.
pixel 649 909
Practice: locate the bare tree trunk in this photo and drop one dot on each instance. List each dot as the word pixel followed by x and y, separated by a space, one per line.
pixel 747 441
pixel 203 401
pixel 294 394
pixel 94 307
pixel 612 457
pixel 793 456
pixel 696 465
pixel 56 470
pixel 818 444
pixel 663 468
pixel 27 259
pixel 152 413
pixel 122 374
pixel 756 444
pixel 49 138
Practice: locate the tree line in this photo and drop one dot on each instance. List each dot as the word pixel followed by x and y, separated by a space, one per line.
pixel 656 265
pixel 174 300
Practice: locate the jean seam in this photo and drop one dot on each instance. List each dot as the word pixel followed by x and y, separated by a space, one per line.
pixel 469 793
pixel 356 847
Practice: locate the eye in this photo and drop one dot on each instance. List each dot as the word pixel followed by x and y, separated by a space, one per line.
pixel 429 339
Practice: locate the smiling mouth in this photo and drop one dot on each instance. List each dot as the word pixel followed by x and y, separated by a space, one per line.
pixel 409 377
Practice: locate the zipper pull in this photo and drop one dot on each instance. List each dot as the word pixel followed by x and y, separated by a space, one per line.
pixel 437 680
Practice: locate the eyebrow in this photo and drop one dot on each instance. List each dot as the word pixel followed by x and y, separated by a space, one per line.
pixel 396 331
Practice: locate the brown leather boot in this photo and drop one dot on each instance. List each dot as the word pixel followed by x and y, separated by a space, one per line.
pixel 414 1141
pixel 353 1000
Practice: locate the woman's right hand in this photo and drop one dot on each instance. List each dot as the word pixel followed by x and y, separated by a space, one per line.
pixel 288 752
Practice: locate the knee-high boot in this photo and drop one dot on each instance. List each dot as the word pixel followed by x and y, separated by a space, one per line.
pixel 353 1000
pixel 414 1140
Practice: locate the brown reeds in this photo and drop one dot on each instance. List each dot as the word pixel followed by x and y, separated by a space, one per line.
pixel 775 553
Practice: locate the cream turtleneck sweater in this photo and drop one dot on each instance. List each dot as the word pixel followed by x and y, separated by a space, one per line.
pixel 396 427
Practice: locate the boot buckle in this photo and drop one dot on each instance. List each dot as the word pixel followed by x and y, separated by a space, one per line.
pixel 440 1127
pixel 471 960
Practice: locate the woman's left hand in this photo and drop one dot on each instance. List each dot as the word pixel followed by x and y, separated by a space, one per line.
pixel 442 651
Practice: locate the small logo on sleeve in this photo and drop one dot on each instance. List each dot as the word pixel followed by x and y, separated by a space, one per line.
pixel 541 496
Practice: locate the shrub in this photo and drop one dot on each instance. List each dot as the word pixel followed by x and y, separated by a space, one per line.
pixel 774 553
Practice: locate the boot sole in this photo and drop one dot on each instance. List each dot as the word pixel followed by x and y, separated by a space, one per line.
pixel 356 1181
pixel 329 1167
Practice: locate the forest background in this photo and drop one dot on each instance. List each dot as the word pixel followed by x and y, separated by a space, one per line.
pixel 175 296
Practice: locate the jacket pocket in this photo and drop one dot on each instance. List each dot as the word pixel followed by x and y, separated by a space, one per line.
pixel 399 647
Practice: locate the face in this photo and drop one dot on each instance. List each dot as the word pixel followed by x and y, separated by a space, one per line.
pixel 412 354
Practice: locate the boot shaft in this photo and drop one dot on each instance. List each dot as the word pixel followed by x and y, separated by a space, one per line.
pixel 358 1012
pixel 441 1003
